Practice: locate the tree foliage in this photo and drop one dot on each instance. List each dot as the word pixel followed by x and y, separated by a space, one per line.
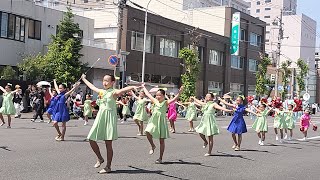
pixel 192 69
pixel 303 66
pixel 285 71
pixel 62 61
pixel 8 73
pixel 261 76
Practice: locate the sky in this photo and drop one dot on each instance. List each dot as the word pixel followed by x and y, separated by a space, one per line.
pixel 311 9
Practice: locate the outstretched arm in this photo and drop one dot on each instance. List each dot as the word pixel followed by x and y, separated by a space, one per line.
pixel 90 85
pixel 226 103
pixel 176 97
pixel 56 86
pixel 73 88
pixel 134 95
pixel 216 106
pixel 2 89
pixel 124 90
pixel 198 102
pixel 180 105
pixel 249 111
pixel 154 100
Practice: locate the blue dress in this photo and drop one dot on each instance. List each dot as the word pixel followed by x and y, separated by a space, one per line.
pixel 61 112
pixel 52 105
pixel 237 124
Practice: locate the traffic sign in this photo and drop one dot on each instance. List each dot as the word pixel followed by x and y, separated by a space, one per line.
pixel 113 60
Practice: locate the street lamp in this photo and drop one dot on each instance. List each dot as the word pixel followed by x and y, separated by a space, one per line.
pixel 144 40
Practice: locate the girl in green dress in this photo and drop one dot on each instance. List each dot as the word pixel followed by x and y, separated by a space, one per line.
pixel 157 126
pixel 260 125
pixel 104 127
pixel 208 125
pixel 191 114
pixel 87 109
pixel 141 114
pixel 7 104
pixel 125 108
pixel 289 119
pixel 279 123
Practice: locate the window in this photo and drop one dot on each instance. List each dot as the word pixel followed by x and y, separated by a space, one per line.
pixel 258 3
pixel 85 1
pixel 215 57
pixel 267 9
pixel 267 1
pixel 34 29
pixel 267 17
pixel 169 47
pixel 243 35
pixel 257 10
pixel 215 87
pixel 255 39
pixel 236 87
pixel 267 32
pixel 200 51
pixel 237 62
pixel 253 65
pixel 137 42
pixel 12 26
pixel 4 24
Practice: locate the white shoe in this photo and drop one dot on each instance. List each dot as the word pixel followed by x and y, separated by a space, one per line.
pixel 289 138
pixel 281 141
pixel 277 138
pixel 8 127
pixel 33 120
pixel 85 123
pixel 304 139
pixel 259 141
pixel 122 122
pixel 2 124
pixel 41 121
pixel 261 144
pixel 285 136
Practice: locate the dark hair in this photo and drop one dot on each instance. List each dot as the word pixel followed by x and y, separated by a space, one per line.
pixel 9 86
pixel 290 105
pixel 263 105
pixel 211 94
pixel 162 91
pixel 112 77
pixel 64 86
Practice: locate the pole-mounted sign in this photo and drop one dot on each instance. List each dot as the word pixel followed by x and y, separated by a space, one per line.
pixel 235 34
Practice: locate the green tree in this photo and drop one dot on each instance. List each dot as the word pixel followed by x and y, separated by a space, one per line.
pixel 285 72
pixel 63 57
pixel 190 76
pixel 303 66
pixel 33 67
pixel 8 73
pixel 261 76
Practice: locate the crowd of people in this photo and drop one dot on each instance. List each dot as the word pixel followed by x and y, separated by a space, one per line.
pixel 59 103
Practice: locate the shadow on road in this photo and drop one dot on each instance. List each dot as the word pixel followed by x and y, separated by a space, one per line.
pixel 255 150
pixel 186 163
pixel 223 154
pixel 5 148
pixel 282 145
pixel 136 170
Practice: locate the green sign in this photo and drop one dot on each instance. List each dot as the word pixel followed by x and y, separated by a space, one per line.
pixel 235 34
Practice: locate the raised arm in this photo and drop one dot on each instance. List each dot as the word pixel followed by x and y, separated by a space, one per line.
pixel 134 95
pixel 176 97
pixel 250 111
pixel 2 89
pixel 198 102
pixel 56 86
pixel 154 100
pixel 124 90
pixel 90 85
pixel 226 103
pixel 73 88
pixel 216 106
pixel 50 92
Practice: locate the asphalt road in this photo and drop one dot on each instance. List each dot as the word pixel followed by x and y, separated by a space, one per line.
pixel 28 151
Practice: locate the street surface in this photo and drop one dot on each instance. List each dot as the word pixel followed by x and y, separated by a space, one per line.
pixel 29 151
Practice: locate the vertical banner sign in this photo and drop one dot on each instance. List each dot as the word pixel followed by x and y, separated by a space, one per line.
pixel 235 34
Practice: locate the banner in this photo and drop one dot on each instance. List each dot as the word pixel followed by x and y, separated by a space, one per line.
pixel 235 34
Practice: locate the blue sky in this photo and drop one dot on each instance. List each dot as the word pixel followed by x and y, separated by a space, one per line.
pixel 311 9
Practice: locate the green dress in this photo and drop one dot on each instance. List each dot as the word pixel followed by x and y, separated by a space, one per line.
pixel 290 120
pixel 208 125
pixel 105 124
pixel 87 109
pixel 191 114
pixel 7 104
pixel 157 125
pixel 141 112
pixel 261 123
pixel 279 121
pixel 125 110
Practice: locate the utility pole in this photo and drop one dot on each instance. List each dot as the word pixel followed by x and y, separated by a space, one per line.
pixel 121 6
pixel 278 53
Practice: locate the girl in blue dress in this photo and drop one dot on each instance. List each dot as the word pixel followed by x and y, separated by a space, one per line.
pixel 61 111
pixel 237 124
pixel 52 105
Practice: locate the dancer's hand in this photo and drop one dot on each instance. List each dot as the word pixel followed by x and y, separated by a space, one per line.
pixel 76 84
pixel 181 89
pixel 83 76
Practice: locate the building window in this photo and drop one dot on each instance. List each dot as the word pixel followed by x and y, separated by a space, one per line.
pixel 215 57
pixel 85 1
pixel 255 39
pixel 34 29
pixel 267 32
pixel 267 1
pixel 169 47
pixel 237 62
pixel 137 42
pixel 215 87
pixel 257 10
pixel 251 90
pixel 267 9
pixel 267 17
pixel 236 88
pixel 200 51
pixel 4 25
pixel 243 35
pixel 12 26
pixel 253 65
pixel 258 3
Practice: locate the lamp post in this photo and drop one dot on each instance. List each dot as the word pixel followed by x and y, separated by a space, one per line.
pixel 144 40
